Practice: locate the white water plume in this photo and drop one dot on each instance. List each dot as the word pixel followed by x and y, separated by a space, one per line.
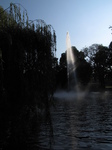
pixel 70 63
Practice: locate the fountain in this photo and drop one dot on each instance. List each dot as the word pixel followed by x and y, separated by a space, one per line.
pixel 72 90
pixel 70 65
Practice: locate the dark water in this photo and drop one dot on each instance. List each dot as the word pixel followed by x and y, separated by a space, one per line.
pixel 79 122
pixel 83 123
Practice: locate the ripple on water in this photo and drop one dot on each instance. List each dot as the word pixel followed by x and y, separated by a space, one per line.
pixel 82 124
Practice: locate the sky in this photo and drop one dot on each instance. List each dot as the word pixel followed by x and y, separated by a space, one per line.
pixel 87 21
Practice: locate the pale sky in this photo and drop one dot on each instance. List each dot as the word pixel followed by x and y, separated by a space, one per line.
pixel 87 21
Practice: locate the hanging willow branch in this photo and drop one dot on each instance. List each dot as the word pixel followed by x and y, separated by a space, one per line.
pixel 18 17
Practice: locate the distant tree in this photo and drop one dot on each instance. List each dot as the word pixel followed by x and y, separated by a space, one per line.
pixel 100 66
pixel 110 57
pixel 89 53
pixel 83 68
pixel 99 58
pixel 63 61
pixel 61 76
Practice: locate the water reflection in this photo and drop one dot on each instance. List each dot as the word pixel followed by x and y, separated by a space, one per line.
pixel 84 123
pixel 78 124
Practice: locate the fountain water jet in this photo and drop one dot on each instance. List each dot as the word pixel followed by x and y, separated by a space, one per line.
pixel 70 64
pixel 73 91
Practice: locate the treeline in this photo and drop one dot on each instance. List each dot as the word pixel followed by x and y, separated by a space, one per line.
pixel 93 64
pixel 83 69
pixel 27 58
pixel 29 70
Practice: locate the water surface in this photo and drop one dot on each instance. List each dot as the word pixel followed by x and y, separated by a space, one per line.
pixel 80 121
pixel 83 123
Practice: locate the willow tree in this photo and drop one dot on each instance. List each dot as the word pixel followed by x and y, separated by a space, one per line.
pixel 28 49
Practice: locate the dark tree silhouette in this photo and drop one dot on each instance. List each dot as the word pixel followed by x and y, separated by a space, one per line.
pixel 27 73
pixel 28 52
pixel 99 57
pixel 83 69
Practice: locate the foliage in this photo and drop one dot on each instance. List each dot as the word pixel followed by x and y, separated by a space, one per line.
pixel 92 63
pixel 89 53
pixel 82 68
pixel 99 57
pixel 28 50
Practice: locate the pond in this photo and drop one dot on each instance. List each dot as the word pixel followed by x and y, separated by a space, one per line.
pixel 79 122
pixel 83 123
